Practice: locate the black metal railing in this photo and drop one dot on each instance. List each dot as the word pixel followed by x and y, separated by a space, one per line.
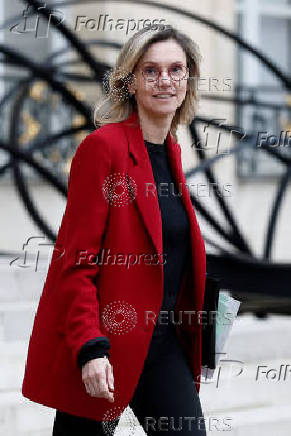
pixel 240 270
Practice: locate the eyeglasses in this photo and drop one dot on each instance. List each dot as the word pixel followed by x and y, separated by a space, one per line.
pixel 176 72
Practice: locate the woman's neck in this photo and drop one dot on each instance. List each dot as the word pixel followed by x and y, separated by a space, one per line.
pixel 155 129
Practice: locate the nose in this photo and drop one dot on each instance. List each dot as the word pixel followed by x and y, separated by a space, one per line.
pixel 164 80
pixel 164 75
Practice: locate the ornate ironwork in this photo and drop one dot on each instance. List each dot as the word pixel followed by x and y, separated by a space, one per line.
pixel 252 278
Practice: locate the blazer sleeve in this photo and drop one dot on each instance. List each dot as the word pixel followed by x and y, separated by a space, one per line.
pixel 85 220
pixel 93 349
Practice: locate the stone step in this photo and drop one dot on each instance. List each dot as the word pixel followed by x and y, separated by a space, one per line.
pixel 254 406
pixel 20 284
pixel 254 421
pixel 252 387
pixel 229 389
pixel 16 320
pixel 254 339
pixel 22 280
pixel 20 417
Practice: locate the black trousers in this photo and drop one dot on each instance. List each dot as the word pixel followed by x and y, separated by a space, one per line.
pixel 165 400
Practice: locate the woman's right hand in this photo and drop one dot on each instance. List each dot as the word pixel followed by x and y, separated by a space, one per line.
pixel 97 375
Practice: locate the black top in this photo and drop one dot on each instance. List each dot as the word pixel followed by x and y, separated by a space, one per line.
pixel 176 246
pixel 175 231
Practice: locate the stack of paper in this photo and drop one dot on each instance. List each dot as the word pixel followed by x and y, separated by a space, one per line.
pixel 226 314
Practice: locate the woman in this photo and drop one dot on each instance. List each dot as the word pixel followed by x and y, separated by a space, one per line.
pixel 127 202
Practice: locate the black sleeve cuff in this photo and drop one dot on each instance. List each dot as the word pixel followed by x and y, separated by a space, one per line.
pixel 92 349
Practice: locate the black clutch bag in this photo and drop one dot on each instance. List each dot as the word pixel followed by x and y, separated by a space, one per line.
pixel 210 307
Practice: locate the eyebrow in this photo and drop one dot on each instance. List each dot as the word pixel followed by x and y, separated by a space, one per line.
pixel 157 63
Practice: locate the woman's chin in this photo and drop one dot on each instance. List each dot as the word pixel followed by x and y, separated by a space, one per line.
pixel 160 111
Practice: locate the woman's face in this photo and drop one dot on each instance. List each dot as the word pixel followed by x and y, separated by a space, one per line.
pixel 164 95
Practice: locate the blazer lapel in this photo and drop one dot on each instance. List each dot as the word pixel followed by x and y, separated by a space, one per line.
pixel 147 199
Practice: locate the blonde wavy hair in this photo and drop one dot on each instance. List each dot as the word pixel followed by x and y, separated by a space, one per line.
pixel 118 104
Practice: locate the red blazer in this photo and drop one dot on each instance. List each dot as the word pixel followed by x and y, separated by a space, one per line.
pixel 80 297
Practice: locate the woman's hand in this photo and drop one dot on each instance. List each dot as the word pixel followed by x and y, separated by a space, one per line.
pixel 97 375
